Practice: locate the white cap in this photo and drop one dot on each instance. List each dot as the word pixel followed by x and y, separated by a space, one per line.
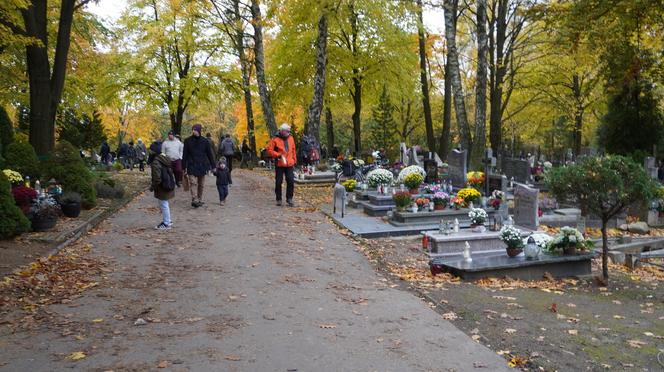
pixel 284 126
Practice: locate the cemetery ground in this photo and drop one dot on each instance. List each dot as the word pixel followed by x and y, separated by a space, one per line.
pixel 564 325
pixel 244 287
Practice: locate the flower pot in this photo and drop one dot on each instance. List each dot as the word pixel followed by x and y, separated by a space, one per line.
pixel 439 207
pixel 43 223
pixel 414 191
pixel 513 252
pixel 71 210
pixel 569 250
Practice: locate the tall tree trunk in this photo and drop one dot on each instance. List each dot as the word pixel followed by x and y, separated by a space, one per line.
pixel 316 107
pixel 357 123
pixel 424 81
pixel 444 145
pixel 480 87
pixel 329 125
pixel 451 7
pixel 578 113
pixel 245 68
pixel 259 62
pixel 45 85
pixel 357 84
pixel 498 70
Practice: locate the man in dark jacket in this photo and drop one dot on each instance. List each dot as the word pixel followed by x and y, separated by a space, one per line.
pixel 227 149
pixel 131 155
pixel 105 152
pixel 161 167
pixel 246 154
pixel 197 160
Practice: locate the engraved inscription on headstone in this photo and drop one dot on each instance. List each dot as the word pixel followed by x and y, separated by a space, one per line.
pixel 525 207
pixel 458 167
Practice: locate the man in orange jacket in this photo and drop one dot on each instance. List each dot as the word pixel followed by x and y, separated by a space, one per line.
pixel 282 149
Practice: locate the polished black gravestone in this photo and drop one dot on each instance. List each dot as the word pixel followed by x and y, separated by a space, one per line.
pixel 500 265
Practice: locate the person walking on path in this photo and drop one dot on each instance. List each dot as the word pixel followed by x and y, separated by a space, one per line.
pixel 163 183
pixel 141 154
pixel 131 155
pixel 197 160
pixel 246 154
pixel 105 152
pixel 123 148
pixel 282 149
pixel 173 148
pixel 223 177
pixel 227 149
pixel 213 146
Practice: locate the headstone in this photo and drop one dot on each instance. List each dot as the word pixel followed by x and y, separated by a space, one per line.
pixel 497 182
pixel 651 166
pixel 458 167
pixel 439 161
pixel 525 207
pixel 403 151
pixel 414 160
pixel 431 168
pixel 519 169
pixel 339 199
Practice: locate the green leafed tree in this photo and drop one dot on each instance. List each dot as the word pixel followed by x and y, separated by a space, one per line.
pixel 382 128
pixel 604 187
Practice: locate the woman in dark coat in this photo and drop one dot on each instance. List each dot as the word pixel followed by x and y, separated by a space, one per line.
pixel 197 160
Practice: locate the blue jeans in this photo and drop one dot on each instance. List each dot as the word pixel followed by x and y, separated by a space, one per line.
pixel 223 192
pixel 165 212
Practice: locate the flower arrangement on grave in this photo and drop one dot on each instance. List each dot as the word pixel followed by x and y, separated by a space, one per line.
pixel 475 179
pixel 511 236
pixel 14 177
pixel 457 202
pixel 44 213
pixel 413 182
pixel 496 199
pixel 440 200
pixel 336 167
pixel 477 216
pixel 410 170
pixel 349 185
pixel 23 196
pixel 422 203
pixel 432 189
pixel 402 199
pixel 379 177
pixel 569 240
pixel 468 195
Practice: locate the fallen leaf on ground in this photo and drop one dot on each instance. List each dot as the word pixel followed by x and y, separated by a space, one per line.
pixel 450 316
pixel 327 326
pixel 636 343
pixel 76 355
pixel 573 332
pixel 162 364
pixel 234 358
pixel 510 331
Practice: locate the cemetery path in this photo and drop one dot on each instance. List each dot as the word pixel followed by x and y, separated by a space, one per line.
pixel 245 287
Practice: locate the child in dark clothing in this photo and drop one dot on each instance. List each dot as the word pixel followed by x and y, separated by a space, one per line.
pixel 223 177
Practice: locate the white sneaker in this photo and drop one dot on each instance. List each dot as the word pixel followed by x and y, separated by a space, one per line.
pixel 163 226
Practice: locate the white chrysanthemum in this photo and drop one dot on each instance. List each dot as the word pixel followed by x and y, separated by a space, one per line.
pixel 379 177
pixel 410 169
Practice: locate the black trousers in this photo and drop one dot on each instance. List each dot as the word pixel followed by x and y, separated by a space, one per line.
pixel 290 182
pixel 229 164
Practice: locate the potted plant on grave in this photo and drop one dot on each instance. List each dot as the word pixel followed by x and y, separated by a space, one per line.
pixel 476 180
pixel 14 177
pixel 569 240
pixel 70 203
pixel 478 217
pixel 23 197
pixel 511 236
pixel 349 185
pixel 456 203
pixel 413 182
pixel 422 203
pixel 379 177
pixel 440 200
pixel 431 189
pixel 468 195
pixel 44 213
pixel 402 199
pixel 496 199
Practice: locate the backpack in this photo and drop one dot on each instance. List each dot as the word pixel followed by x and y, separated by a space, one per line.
pixel 167 179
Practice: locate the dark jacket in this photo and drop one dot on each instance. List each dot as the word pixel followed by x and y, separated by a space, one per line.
pixel 141 151
pixel 122 149
pixel 197 156
pixel 245 148
pixel 105 149
pixel 223 175
pixel 227 148
pixel 160 161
